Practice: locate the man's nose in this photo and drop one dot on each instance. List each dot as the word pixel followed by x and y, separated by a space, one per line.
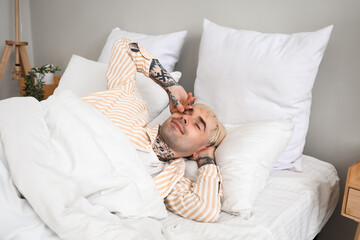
pixel 185 119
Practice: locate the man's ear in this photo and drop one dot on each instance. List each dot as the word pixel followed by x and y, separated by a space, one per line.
pixel 198 151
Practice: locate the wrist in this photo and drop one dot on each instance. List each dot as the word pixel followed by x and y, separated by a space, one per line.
pixel 172 90
pixel 172 98
pixel 202 161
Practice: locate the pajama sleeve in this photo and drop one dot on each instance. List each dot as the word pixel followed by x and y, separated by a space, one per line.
pixel 199 201
pixel 169 177
pixel 125 62
pixel 121 103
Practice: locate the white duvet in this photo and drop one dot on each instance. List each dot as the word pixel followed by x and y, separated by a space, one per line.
pixel 75 168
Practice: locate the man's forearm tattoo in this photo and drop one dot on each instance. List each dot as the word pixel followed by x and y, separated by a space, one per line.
pixel 159 74
pixel 205 160
pixel 156 72
pixel 161 149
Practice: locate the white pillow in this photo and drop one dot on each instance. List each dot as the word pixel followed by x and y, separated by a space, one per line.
pixel 154 96
pixel 245 159
pixel 84 77
pixel 166 47
pixel 247 76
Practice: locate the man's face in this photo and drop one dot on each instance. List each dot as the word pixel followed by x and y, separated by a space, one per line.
pixel 187 132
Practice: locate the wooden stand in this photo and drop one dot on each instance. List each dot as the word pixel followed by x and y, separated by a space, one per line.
pixel 19 69
pixel 22 63
pixel 351 202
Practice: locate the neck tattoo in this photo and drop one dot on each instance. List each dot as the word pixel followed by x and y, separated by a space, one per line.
pixel 161 149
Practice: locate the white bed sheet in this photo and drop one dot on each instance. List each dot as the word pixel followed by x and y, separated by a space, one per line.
pixel 293 205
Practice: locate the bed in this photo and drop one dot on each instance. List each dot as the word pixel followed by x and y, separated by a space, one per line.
pixel 283 194
pixel 292 206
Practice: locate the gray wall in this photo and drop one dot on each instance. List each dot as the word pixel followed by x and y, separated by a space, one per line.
pixel 62 28
pixel 9 87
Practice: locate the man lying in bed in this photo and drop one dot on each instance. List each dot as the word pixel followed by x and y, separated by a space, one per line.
pixel 191 131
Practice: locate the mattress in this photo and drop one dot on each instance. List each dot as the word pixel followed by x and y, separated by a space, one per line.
pixel 293 205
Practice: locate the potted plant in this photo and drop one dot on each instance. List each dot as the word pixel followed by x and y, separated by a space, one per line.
pixel 37 78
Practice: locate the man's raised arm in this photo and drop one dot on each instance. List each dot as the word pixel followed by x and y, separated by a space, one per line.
pixel 179 99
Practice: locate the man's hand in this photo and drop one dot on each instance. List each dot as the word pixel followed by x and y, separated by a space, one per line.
pixel 179 100
pixel 206 156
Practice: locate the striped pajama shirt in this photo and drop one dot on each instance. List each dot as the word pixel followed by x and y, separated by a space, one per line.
pixel 200 200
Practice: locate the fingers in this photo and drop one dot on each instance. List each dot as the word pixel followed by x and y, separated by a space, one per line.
pixel 187 107
pixel 180 107
pixel 177 108
pixel 190 100
pixel 173 108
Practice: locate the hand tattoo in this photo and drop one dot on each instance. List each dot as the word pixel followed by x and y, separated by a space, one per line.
pixel 172 98
pixel 158 73
pixel 205 160
pixel 161 149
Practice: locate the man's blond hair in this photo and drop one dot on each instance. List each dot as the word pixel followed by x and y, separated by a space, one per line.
pixel 219 132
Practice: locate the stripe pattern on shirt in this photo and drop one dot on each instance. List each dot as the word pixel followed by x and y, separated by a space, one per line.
pixel 199 201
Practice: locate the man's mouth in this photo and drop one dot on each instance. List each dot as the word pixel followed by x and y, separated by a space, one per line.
pixel 178 125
